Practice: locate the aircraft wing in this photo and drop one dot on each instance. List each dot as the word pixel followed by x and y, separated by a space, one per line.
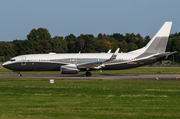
pixel 98 64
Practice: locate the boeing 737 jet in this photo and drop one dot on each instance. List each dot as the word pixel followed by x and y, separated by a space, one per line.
pixel 73 63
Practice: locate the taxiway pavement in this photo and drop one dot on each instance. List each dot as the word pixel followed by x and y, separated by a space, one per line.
pixel 98 76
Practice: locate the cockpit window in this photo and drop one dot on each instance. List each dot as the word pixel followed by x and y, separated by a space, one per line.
pixel 12 60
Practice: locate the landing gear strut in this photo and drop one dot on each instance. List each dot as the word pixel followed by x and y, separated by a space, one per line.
pixel 19 74
pixel 88 73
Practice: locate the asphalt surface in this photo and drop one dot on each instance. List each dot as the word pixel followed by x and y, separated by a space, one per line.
pixel 98 76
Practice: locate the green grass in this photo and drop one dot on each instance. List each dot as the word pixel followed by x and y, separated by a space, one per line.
pixel 141 70
pixel 75 99
pixel 37 98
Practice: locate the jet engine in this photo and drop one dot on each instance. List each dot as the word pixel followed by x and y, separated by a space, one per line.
pixel 69 69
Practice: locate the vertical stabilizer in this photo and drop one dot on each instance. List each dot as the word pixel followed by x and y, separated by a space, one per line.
pixel 159 42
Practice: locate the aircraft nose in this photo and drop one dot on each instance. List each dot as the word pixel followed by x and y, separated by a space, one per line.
pixel 4 64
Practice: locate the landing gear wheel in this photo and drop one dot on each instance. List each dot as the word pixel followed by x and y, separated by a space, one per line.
pixel 88 73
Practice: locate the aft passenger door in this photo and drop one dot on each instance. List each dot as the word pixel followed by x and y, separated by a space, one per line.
pixel 23 60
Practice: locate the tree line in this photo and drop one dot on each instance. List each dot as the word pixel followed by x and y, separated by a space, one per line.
pixel 40 41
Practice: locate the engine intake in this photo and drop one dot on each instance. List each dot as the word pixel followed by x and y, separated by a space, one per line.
pixel 69 69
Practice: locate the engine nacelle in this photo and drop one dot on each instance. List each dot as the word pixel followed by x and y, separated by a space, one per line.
pixel 69 69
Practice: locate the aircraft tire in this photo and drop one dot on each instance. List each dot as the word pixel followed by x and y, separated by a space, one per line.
pixel 88 73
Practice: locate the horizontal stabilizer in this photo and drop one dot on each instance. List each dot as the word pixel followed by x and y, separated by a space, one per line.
pixel 165 54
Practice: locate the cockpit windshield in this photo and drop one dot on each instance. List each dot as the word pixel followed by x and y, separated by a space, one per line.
pixel 12 60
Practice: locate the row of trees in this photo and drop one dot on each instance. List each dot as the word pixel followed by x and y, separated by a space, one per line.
pixel 40 41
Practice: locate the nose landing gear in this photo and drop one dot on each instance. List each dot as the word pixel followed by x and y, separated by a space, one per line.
pixel 19 74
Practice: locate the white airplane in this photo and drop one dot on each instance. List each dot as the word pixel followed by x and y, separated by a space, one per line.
pixel 73 63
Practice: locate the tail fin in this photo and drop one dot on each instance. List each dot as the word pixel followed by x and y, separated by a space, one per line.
pixel 159 42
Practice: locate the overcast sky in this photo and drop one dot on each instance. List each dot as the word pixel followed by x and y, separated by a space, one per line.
pixel 63 17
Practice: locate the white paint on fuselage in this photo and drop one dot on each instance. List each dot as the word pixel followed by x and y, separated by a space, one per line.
pixel 48 57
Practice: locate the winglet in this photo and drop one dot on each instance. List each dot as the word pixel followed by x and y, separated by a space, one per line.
pixel 115 54
pixel 109 51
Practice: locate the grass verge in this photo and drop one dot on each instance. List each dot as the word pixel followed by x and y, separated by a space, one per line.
pixel 75 99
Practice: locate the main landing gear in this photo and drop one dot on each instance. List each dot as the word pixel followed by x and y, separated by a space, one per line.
pixel 88 73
